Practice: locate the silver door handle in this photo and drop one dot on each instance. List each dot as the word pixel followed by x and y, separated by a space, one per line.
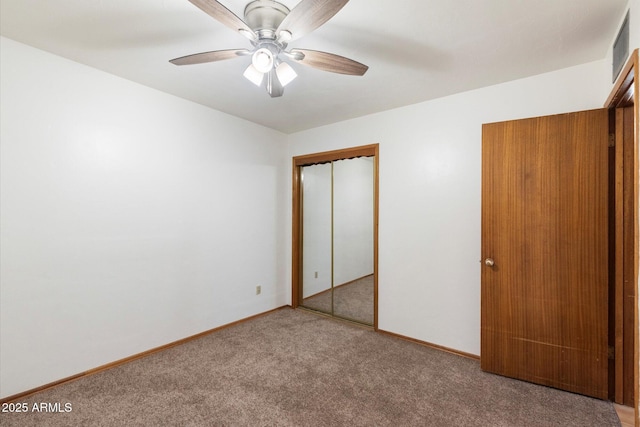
pixel 489 262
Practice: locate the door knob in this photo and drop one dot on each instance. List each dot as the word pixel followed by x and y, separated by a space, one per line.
pixel 489 262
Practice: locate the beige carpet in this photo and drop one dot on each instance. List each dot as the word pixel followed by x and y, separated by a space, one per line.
pixel 295 368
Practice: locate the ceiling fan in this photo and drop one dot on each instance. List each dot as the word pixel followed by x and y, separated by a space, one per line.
pixel 270 26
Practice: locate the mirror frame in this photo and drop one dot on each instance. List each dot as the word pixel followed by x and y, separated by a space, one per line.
pixel 296 244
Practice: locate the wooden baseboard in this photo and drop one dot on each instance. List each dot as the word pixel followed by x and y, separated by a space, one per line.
pixel 626 414
pixel 434 346
pixel 131 358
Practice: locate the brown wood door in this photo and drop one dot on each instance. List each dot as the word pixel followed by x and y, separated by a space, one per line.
pixel 544 310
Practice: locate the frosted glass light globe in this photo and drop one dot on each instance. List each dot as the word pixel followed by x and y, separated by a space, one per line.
pixel 262 60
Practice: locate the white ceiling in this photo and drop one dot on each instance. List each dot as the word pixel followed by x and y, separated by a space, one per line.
pixel 416 49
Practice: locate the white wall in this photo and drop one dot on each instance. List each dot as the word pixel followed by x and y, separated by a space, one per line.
pixel 130 218
pixel 430 172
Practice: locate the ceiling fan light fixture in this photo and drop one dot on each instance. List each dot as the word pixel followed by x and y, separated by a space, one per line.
pixel 270 26
pixel 253 75
pixel 286 73
pixel 262 60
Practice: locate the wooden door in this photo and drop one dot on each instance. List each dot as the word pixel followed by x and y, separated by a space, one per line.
pixel 544 310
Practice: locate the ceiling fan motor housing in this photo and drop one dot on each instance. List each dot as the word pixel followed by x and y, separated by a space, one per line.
pixel 265 16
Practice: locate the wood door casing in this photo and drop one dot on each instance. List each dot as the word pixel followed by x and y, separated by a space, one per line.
pixel 625 285
pixel 629 284
pixel 544 304
pixel 623 102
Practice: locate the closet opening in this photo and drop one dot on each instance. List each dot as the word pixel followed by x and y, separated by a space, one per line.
pixel 335 233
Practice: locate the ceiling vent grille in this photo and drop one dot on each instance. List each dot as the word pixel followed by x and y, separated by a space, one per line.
pixel 621 48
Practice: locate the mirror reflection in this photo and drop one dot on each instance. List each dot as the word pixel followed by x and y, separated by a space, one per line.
pixel 337 238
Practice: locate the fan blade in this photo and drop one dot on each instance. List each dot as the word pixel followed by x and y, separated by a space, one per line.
pixel 273 85
pixel 217 11
pixel 213 56
pixel 309 15
pixel 331 62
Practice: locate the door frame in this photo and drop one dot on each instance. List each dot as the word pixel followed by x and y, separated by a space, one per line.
pixel 298 163
pixel 625 93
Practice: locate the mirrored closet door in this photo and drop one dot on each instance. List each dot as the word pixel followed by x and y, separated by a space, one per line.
pixel 337 213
